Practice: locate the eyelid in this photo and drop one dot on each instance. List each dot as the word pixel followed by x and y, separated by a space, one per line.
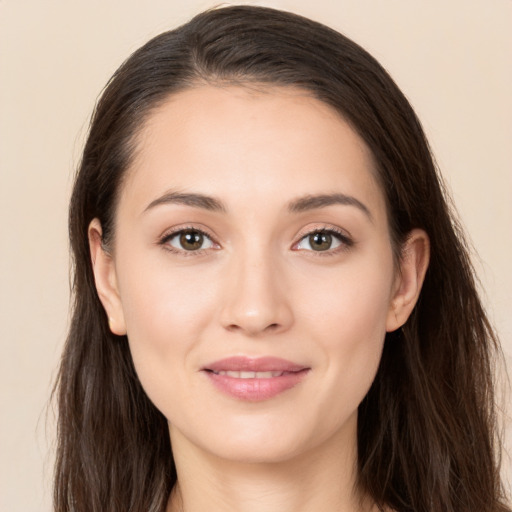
pixel 342 235
pixel 316 227
pixel 175 231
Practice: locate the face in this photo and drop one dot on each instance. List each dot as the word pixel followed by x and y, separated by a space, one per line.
pixel 252 271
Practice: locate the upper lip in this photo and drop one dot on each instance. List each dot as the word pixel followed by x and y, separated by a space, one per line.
pixel 254 364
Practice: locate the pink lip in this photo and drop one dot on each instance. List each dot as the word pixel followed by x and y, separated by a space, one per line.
pixel 254 364
pixel 255 389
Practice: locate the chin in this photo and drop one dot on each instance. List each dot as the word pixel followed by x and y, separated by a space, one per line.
pixel 271 440
pixel 270 450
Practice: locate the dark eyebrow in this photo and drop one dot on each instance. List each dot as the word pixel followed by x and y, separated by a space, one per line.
pixel 302 204
pixel 188 199
pixel 312 202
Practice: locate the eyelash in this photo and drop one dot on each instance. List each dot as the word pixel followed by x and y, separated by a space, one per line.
pixel 164 241
pixel 345 241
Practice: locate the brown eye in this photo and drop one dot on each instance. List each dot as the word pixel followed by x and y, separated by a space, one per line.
pixel 324 240
pixel 320 241
pixel 189 240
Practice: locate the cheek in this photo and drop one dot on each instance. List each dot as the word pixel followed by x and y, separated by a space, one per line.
pixel 350 303
pixel 346 315
pixel 166 309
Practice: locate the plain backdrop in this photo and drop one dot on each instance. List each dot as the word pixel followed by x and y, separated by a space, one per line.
pixel 451 58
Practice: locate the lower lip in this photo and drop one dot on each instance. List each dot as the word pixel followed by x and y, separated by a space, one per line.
pixel 256 390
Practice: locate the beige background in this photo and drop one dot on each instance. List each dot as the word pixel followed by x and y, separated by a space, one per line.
pixel 452 58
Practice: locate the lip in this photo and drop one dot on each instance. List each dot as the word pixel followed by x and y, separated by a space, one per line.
pixel 282 375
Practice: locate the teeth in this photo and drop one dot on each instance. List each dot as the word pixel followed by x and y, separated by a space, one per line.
pixel 249 375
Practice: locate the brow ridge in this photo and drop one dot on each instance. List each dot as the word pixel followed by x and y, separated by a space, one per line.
pixel 188 199
pixel 312 202
pixel 301 204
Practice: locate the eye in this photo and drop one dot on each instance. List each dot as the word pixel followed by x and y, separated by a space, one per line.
pixel 189 240
pixel 323 240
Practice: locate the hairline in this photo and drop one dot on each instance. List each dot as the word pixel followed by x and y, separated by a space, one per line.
pixel 252 83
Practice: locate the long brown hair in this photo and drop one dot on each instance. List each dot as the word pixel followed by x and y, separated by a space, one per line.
pixel 426 432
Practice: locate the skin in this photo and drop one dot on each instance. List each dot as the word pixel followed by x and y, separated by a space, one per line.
pixel 256 288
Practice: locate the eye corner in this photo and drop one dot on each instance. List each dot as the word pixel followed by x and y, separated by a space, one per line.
pixel 331 236
pixel 201 237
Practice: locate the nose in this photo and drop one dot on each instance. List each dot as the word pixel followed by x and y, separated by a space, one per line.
pixel 256 302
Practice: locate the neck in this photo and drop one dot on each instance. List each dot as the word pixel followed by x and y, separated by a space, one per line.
pixel 322 479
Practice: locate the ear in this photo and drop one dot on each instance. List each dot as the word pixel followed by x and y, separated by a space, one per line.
pixel 414 261
pixel 105 279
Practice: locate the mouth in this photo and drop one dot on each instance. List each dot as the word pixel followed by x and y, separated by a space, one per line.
pixel 254 379
pixel 250 375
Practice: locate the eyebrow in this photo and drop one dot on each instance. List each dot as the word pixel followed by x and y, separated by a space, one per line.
pixel 312 202
pixel 188 199
pixel 302 204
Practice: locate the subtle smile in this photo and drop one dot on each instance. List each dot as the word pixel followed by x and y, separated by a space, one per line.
pixel 250 375
pixel 254 379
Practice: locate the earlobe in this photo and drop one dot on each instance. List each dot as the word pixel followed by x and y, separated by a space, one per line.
pixel 413 267
pixel 105 279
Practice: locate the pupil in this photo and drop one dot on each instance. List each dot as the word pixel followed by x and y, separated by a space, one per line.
pixel 320 241
pixel 191 240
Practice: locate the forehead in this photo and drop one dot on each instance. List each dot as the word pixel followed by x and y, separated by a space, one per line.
pixel 247 142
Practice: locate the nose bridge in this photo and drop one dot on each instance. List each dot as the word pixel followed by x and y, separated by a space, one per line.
pixel 256 301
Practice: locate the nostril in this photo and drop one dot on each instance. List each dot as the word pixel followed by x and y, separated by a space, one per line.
pixel 253 329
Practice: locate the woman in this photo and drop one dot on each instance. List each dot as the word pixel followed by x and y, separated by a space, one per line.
pixel 268 280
